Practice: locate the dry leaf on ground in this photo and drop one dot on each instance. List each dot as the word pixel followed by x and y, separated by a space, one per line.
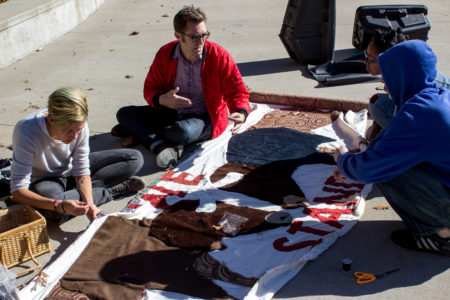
pixel 381 207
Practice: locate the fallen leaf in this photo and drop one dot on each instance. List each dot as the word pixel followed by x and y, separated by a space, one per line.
pixel 134 33
pixel 90 89
pixel 26 81
pixel 112 50
pixel 31 106
pixel 381 207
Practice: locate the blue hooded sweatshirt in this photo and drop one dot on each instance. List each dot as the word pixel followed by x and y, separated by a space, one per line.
pixel 419 133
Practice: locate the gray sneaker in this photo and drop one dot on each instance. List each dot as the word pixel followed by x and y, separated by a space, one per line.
pixel 128 187
pixel 168 157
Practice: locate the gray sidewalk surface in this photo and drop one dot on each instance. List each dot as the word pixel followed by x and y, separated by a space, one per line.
pixel 109 65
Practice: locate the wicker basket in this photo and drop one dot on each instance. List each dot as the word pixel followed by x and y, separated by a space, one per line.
pixel 23 235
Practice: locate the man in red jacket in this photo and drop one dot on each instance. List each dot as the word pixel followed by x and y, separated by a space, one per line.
pixel 191 86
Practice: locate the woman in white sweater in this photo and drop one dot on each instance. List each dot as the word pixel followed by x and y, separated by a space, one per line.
pixel 52 168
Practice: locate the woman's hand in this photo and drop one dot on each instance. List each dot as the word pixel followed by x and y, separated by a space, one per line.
pixel 92 212
pixel 74 207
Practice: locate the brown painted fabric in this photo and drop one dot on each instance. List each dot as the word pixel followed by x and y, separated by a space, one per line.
pixel 122 259
pixel 211 268
pixel 297 119
pixel 180 225
pixel 60 293
pixel 271 182
pixel 309 103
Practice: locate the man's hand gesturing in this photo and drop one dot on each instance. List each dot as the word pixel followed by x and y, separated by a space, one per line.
pixel 173 101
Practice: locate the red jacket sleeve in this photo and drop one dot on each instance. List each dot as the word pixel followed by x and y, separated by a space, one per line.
pixel 161 75
pixel 235 92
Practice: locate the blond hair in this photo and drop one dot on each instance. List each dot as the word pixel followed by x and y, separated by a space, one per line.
pixel 67 105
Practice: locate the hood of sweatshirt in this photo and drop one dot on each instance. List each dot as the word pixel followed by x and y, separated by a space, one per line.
pixel 408 69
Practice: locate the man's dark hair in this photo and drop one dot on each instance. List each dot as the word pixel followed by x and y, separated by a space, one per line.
pixel 188 14
pixel 385 39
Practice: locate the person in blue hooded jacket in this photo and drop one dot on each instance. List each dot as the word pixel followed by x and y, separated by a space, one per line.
pixel 381 108
pixel 409 160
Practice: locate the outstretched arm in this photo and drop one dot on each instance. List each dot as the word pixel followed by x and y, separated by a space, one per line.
pixel 84 185
pixel 72 207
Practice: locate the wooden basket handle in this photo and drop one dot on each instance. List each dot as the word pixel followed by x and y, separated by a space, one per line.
pixel 38 265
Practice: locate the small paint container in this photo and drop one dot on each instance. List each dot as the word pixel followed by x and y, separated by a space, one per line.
pixel 346 265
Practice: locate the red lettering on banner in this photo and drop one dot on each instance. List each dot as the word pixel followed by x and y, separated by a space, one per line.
pixel 279 244
pixel 345 193
pixel 134 206
pixel 159 201
pixel 339 193
pixel 298 226
pixel 332 181
pixel 342 194
pixel 331 220
pixel 169 176
pixel 332 200
pixel 163 190
pixel 333 215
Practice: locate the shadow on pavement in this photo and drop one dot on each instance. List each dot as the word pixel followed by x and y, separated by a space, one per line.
pixel 269 66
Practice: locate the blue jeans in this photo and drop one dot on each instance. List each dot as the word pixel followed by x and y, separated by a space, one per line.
pixel 108 168
pixel 420 199
pixel 151 125
pixel 382 111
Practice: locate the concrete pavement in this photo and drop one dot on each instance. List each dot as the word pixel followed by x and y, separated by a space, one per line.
pixel 97 56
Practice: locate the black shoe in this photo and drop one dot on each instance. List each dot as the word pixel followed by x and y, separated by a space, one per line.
pixel 430 243
pixel 128 187
pixel 120 131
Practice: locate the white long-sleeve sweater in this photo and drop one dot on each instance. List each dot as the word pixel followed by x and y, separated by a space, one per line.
pixel 37 155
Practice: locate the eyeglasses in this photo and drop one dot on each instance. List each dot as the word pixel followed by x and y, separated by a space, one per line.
pixel 198 38
pixel 366 59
